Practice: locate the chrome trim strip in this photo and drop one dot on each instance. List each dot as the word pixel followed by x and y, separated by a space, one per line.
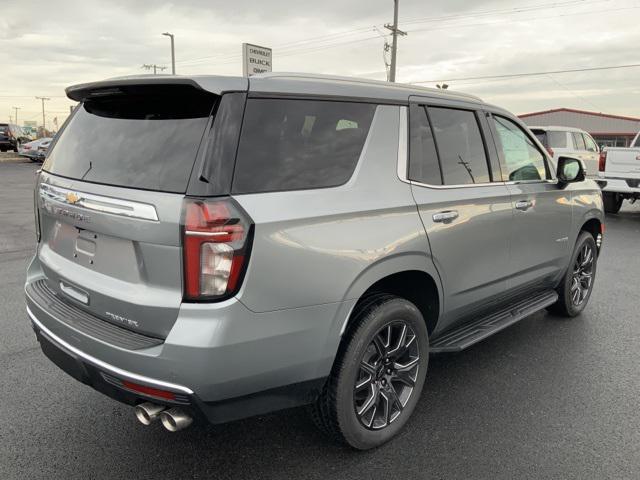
pixel 403 157
pixel 99 203
pixel 449 187
pixel 104 365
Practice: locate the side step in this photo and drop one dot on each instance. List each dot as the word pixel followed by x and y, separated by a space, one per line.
pixel 474 331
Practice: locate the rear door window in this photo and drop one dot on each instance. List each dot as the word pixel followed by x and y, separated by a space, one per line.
pixel 289 144
pixel 578 141
pixel 459 142
pixel 423 156
pixel 589 143
pixel 147 140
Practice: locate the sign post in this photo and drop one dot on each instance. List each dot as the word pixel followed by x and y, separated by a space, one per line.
pixel 255 59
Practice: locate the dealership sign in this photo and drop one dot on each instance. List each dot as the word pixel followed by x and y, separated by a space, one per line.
pixel 255 59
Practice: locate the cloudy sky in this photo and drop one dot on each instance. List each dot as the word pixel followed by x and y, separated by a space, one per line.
pixel 47 45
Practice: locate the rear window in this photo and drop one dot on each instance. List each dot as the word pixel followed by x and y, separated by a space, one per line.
pixel 147 139
pixel 4 129
pixel 299 144
pixel 551 138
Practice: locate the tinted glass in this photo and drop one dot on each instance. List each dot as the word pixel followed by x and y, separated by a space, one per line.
pixel 556 139
pixel 462 155
pixel 299 144
pixel 139 141
pixel 423 158
pixel 589 143
pixel 541 135
pixel 637 142
pixel 521 160
pixel 578 141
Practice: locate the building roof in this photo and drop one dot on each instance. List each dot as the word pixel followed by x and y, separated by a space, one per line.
pixel 583 112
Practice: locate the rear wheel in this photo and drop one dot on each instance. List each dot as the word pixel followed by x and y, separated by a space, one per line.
pixel 612 202
pixel 575 290
pixel 378 374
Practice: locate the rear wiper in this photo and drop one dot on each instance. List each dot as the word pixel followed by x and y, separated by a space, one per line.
pixel 88 169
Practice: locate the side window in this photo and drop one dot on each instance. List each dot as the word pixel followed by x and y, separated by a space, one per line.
pixel 521 159
pixel 557 139
pixel 299 144
pixel 423 156
pixel 462 155
pixel 590 144
pixel 578 141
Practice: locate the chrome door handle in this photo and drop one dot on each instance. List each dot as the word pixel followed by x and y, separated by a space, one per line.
pixel 445 217
pixel 524 205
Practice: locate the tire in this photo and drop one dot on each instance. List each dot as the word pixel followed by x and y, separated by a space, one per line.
pixel 378 374
pixel 567 304
pixel 612 202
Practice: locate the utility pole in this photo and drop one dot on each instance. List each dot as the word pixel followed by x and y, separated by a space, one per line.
pixel 173 53
pixel 16 109
pixel 44 125
pixel 150 66
pixel 394 46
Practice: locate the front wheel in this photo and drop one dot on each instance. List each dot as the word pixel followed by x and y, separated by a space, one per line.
pixel 612 202
pixel 576 287
pixel 378 374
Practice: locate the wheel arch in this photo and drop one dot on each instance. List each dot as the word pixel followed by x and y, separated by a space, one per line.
pixel 410 276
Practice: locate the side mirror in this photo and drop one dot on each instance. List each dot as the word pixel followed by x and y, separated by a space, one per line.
pixel 570 170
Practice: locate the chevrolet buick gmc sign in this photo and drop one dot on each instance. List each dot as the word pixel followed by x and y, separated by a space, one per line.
pixel 255 59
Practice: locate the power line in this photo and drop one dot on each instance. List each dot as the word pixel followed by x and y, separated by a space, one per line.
pixel 294 48
pixel 530 74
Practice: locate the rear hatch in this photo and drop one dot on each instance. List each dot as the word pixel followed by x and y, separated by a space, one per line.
pixel 110 198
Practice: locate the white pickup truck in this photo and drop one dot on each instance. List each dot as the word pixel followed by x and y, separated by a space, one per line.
pixel 619 175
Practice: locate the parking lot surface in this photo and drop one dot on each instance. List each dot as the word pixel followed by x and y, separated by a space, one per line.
pixel 546 398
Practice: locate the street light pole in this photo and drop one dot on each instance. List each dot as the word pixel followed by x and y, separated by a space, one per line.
pixel 16 109
pixel 44 125
pixel 173 53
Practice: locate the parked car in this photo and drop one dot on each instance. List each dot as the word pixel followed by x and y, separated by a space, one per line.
pixel 619 175
pixel 570 142
pixel 249 245
pixel 11 137
pixel 35 150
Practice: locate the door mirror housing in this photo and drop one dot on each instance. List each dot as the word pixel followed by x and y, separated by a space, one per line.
pixel 570 170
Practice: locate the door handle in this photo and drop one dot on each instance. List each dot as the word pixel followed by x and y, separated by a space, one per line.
pixel 524 205
pixel 445 217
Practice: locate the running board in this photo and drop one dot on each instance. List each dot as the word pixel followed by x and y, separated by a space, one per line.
pixel 474 331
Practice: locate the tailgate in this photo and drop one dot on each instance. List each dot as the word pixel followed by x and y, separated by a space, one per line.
pixel 110 201
pixel 623 162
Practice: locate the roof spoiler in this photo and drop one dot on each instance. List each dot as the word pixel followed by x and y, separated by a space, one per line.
pixel 215 85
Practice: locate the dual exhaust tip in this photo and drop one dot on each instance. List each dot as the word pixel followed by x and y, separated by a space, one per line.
pixel 173 419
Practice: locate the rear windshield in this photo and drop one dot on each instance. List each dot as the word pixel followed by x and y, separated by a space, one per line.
pixel 3 129
pixel 551 138
pixel 146 140
pixel 299 144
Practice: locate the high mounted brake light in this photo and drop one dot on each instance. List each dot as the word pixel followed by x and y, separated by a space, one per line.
pixel 216 243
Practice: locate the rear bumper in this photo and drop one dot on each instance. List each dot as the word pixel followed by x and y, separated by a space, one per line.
pixel 223 364
pixel 620 185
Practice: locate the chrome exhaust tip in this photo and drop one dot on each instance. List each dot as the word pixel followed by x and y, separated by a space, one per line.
pixel 175 419
pixel 148 412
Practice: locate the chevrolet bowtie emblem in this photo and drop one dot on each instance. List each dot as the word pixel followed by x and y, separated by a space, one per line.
pixel 72 198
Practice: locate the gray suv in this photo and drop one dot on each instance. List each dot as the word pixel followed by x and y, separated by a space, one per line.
pixel 214 248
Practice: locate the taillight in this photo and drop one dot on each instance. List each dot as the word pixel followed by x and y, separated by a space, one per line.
pixel 602 161
pixel 550 150
pixel 216 243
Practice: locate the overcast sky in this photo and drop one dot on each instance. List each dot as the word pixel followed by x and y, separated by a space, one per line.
pixel 48 45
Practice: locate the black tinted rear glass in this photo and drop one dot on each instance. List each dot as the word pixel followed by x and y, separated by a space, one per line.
pixel 299 144
pixel 143 140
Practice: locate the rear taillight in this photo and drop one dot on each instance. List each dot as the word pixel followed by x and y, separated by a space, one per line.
pixel 550 150
pixel 602 161
pixel 216 243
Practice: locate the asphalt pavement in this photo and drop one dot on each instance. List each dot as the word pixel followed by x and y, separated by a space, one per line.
pixel 548 398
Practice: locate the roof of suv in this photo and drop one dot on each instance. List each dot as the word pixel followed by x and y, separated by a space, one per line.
pixel 556 128
pixel 280 83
